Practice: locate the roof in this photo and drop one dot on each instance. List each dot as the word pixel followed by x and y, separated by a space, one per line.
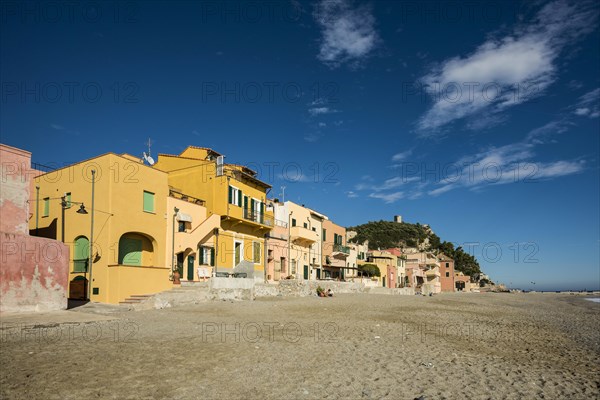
pixel 201 148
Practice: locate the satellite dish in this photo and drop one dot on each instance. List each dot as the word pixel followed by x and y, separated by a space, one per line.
pixel 148 159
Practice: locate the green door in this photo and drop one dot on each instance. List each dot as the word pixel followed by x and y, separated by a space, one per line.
pixel 306 272
pixel 190 269
pixel 318 274
pixel 130 251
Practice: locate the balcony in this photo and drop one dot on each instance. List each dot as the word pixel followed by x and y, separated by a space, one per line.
pixel 432 273
pixel 303 236
pixel 340 251
pixel 258 217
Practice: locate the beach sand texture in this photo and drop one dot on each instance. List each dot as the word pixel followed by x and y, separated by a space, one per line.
pixel 360 346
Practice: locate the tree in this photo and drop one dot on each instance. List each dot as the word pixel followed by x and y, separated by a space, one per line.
pixel 369 269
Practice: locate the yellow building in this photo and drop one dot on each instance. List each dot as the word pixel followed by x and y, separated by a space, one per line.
pixel 233 193
pixel 129 229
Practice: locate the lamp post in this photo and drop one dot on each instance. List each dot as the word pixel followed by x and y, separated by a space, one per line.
pixel 91 238
pixel 63 206
pixel 173 260
pixel 37 209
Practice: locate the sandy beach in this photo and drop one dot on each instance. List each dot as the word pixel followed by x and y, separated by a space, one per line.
pixel 452 346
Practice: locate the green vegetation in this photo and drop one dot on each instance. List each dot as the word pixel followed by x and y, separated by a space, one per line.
pixel 369 270
pixel 387 234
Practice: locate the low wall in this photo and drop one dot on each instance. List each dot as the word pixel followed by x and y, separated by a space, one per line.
pixel 300 288
pixel 232 288
pixel 34 273
pixel 126 280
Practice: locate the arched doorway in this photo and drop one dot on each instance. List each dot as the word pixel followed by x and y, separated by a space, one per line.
pixel 136 250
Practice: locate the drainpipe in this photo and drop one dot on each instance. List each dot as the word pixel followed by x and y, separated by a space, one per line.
pixel 37 210
pixel 290 240
pixel 175 210
pixel 216 233
pixel 266 262
pixel 92 238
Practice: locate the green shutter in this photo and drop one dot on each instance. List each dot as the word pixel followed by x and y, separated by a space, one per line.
pixel 46 206
pixel 239 199
pixel 81 253
pixel 256 252
pixel 324 234
pixel 68 199
pixel 212 257
pixel 230 195
pixel 148 201
pixel 245 202
pixel 293 222
pixel 252 206
pixel 201 256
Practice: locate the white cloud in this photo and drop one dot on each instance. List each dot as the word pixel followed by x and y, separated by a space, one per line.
pixel 589 104
pixel 322 124
pixel 507 71
pixel 351 194
pixel 512 163
pixel 57 127
pixel 402 156
pixel 348 33
pixel 388 197
pixel 320 111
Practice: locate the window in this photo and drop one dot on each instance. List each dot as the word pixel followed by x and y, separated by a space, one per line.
pixel 293 222
pixel 68 200
pixel 81 253
pixel 324 234
pixel 447 265
pixel 293 267
pixel 447 274
pixel 235 196
pixel 206 256
pixel 181 227
pixel 305 225
pixel 148 202
pixel 314 229
pixel 46 207
pixel 256 252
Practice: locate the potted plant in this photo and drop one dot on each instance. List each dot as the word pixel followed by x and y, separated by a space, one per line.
pixel 176 277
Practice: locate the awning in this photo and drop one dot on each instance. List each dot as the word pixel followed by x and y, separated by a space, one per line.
pixel 184 217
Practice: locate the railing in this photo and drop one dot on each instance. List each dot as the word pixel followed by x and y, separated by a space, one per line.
pixel 258 217
pixel 181 196
pixel 338 248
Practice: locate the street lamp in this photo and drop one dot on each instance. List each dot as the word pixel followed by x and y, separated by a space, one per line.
pixel 64 205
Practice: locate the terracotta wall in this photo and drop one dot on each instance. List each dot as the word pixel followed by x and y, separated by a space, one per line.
pixel 33 271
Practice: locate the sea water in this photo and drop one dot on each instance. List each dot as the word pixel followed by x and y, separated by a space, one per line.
pixel 595 299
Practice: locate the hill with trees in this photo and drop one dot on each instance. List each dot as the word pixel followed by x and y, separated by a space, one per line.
pixel 387 234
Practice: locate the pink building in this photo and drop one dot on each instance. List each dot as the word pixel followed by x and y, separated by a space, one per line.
pixel 34 271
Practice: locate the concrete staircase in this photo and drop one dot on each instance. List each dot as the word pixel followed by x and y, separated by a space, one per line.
pixel 190 293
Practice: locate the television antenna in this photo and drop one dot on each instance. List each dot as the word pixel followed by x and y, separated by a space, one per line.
pixel 282 194
pixel 148 157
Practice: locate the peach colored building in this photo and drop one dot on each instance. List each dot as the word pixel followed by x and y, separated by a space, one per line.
pixel 34 271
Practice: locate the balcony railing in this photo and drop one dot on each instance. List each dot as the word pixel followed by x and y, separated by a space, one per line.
pixel 258 217
pixel 338 248
pixel 182 196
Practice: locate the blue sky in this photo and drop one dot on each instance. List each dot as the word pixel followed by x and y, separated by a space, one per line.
pixel 479 119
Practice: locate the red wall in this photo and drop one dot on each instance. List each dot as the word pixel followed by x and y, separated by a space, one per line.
pixel 34 272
